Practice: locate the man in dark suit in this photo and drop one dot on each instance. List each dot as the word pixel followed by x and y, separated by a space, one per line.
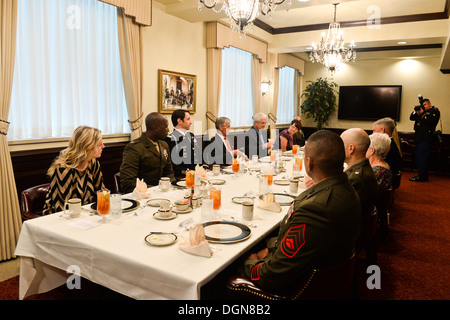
pixel 220 150
pixel 256 137
pixel 321 226
pixel 359 172
pixel 185 150
pixel 147 157
pixel 425 118
pixel 393 158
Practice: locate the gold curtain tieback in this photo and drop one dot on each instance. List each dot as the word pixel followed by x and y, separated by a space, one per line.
pixel 136 124
pixel 4 126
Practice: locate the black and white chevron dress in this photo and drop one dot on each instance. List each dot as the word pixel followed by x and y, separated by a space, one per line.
pixel 68 183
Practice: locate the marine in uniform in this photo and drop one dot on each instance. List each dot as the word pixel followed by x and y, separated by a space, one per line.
pixel 320 228
pixel 147 157
pixel 363 179
pixel 425 121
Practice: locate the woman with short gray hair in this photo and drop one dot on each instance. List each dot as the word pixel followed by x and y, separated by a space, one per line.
pixel 380 143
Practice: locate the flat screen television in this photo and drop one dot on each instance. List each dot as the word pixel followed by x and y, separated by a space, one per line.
pixel 369 102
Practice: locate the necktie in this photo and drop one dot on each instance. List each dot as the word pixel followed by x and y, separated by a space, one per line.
pixel 228 144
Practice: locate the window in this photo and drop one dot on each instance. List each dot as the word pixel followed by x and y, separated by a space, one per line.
pixel 287 95
pixel 67 70
pixel 236 95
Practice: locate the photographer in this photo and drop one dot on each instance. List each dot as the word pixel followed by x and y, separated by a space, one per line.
pixel 426 118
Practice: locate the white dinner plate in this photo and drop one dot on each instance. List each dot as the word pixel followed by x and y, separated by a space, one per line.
pixel 160 239
pixel 216 181
pixel 225 231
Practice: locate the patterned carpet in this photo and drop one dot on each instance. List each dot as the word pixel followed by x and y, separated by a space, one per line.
pixel 414 260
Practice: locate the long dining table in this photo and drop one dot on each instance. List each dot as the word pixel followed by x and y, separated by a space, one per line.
pixel 55 248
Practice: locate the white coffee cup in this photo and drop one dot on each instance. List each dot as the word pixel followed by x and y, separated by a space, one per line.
pixel 74 207
pixel 247 210
pixel 165 205
pixel 164 184
pixel 293 186
pixel 216 169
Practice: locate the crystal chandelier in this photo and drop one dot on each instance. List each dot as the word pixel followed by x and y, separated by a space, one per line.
pixel 242 13
pixel 331 52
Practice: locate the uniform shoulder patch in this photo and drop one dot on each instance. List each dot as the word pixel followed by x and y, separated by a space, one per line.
pixel 293 240
pixel 255 272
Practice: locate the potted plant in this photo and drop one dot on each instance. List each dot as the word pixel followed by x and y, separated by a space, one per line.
pixel 320 101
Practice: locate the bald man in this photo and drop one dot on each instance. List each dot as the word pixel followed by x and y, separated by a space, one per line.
pixel 321 226
pixel 359 172
pixel 147 157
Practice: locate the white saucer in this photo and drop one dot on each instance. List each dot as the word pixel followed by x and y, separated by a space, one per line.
pixel 157 215
pixel 189 209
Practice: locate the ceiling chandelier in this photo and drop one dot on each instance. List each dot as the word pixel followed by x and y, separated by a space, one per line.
pixel 331 52
pixel 242 13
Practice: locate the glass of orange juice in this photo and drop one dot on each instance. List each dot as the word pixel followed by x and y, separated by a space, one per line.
pixel 294 149
pixel 299 162
pixel 215 193
pixel 103 203
pixel 269 174
pixel 235 167
pixel 190 179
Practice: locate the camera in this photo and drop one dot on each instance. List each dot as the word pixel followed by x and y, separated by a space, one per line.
pixel 417 108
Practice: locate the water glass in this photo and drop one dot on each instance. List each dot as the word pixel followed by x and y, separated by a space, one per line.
pixel 207 210
pixel 116 206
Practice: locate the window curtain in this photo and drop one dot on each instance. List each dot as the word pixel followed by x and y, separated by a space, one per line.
pixel 67 70
pixel 139 10
pixel 237 87
pixel 131 63
pixel 287 97
pixel 10 218
pixel 257 80
pixel 214 62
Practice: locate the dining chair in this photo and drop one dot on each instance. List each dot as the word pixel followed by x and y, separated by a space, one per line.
pixel 366 238
pixel 383 203
pixel 396 179
pixel 32 201
pixel 117 183
pixel 328 283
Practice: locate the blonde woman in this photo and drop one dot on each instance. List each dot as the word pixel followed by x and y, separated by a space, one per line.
pixel 76 173
pixel 380 144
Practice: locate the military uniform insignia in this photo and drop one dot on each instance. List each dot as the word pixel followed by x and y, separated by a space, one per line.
pixel 293 241
pixel 255 272
pixel 166 155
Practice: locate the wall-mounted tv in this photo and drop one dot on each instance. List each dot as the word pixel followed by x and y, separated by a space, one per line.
pixel 369 103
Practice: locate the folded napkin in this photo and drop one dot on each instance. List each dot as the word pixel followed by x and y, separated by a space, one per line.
pixel 196 243
pixel 140 192
pixel 268 203
pixel 200 172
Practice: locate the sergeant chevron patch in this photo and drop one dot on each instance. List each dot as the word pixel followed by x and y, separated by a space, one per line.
pixel 293 241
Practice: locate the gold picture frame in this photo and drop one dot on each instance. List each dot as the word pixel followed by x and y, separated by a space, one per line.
pixel 176 91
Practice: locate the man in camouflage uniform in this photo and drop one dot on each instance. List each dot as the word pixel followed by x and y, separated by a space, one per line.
pixel 147 157
pixel 321 226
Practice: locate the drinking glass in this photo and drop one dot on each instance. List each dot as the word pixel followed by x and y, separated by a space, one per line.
pixel 294 149
pixel 103 203
pixel 299 162
pixel 235 167
pixel 215 193
pixel 273 155
pixel 190 179
pixel 269 175
pixel 116 206
pixel 207 210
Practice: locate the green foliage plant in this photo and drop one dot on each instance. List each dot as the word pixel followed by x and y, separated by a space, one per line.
pixel 320 101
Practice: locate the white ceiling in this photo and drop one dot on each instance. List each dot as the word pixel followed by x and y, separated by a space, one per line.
pixel 417 22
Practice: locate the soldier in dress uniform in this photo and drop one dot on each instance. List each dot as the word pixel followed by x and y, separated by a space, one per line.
pixel 147 157
pixel 425 118
pixel 359 171
pixel 321 225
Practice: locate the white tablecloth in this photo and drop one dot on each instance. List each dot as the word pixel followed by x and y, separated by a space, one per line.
pixel 116 256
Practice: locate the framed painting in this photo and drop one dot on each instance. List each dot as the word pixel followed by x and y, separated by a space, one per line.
pixel 176 91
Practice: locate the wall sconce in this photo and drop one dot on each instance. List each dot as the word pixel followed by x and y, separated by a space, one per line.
pixel 265 86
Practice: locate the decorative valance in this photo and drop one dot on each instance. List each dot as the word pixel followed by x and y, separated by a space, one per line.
pixel 286 59
pixel 219 36
pixel 140 10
